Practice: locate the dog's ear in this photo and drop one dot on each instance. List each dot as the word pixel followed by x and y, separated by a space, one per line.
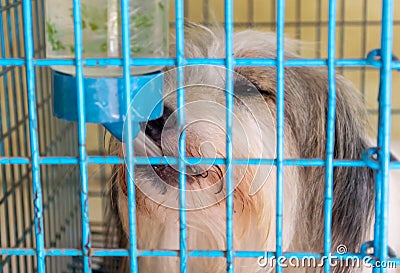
pixel 354 187
pixel 306 100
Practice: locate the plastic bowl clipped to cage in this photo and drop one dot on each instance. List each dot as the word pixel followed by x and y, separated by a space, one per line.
pixel 103 84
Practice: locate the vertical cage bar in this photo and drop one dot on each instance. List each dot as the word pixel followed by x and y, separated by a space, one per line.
pixel 206 12
pixel 86 241
pixel 364 47
pixel 180 62
pixel 273 13
pixel 250 13
pixel 298 23
pixel 384 128
pixel 378 198
pixel 33 136
pixel 43 115
pixel 342 30
pixel 318 27
pixel 280 81
pixel 130 174
pixel 229 63
pixel 330 134
pixel 186 8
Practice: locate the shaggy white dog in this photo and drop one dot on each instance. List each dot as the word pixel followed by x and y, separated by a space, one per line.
pixel 254 116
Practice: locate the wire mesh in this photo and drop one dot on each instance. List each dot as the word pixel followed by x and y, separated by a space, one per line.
pixel 17 209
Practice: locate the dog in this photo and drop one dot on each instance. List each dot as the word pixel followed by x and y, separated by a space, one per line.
pixel 254 131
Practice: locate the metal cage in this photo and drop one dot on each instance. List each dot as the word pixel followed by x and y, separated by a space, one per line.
pixel 46 176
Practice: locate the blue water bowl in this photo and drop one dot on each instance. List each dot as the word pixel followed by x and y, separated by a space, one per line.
pixel 105 100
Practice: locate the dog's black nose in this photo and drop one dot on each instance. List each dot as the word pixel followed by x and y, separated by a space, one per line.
pixel 155 127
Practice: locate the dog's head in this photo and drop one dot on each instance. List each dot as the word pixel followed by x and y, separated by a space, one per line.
pixel 253 136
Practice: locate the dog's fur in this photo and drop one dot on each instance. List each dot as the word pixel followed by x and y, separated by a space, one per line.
pixel 305 99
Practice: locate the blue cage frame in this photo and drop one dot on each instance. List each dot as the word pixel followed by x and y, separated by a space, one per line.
pixel 34 162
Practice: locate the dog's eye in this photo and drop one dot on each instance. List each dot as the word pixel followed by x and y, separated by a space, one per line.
pixel 215 171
